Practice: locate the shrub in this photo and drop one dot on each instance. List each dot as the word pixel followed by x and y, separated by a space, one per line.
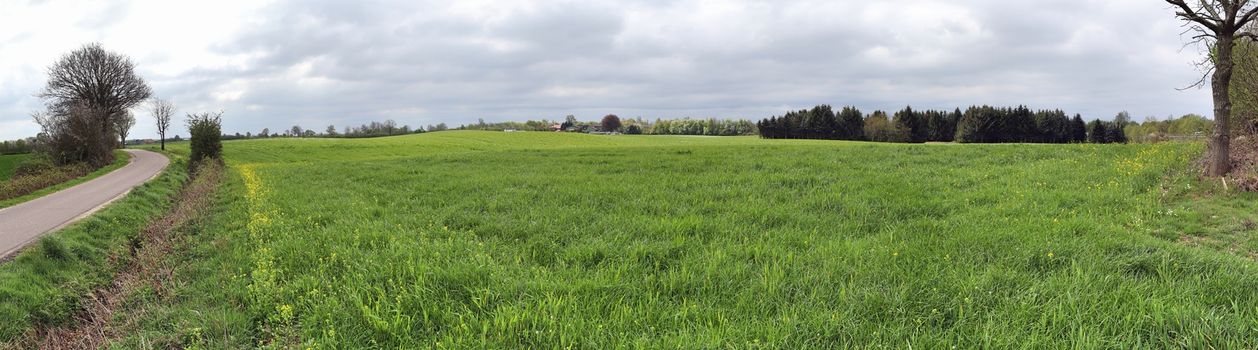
pixel 205 129
pixel 33 166
pixel 75 132
pixel 40 175
pixel 633 130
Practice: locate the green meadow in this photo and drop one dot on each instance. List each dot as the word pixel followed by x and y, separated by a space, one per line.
pixel 469 239
pixel 9 162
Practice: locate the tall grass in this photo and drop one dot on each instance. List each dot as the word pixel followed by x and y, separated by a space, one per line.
pixel 539 240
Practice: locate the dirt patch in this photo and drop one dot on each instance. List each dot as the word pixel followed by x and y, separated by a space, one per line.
pixel 91 328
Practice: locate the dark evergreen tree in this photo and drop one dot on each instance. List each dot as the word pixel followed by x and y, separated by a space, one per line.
pixel 1052 127
pixel 1097 132
pixel 950 134
pixel 1019 126
pixel 1078 130
pixel 1116 133
pixel 979 125
pixel 911 123
pixel 822 123
pixel 985 124
pixel 936 125
pixel 851 124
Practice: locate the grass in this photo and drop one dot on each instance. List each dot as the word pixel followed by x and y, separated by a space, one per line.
pixel 9 162
pixel 45 284
pixel 542 240
pixel 1213 217
pixel 120 159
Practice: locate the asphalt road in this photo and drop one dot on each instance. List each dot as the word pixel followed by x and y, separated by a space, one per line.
pixel 22 224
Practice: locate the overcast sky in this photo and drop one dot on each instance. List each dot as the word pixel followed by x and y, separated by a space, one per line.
pixel 314 63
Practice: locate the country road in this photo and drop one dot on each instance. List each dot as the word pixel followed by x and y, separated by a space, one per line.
pixel 23 223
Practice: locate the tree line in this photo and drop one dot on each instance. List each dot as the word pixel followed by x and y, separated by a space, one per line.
pixel 633 126
pixel 1189 126
pixel 372 129
pixel 708 127
pixel 18 146
pixel 977 124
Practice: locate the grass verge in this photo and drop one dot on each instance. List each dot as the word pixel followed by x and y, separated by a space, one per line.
pixel 45 284
pixel 121 159
pixel 147 275
pixel 198 304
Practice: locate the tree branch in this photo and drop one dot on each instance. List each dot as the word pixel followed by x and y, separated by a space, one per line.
pixel 1248 17
pixel 1187 13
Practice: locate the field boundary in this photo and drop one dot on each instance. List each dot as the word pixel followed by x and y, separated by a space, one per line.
pixel 122 158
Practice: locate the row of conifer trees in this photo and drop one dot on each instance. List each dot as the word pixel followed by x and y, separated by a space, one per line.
pixel 978 124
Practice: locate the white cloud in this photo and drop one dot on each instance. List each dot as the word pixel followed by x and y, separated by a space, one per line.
pixel 276 63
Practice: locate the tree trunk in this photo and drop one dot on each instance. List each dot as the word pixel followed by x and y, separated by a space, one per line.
pixel 1220 83
pixel 163 142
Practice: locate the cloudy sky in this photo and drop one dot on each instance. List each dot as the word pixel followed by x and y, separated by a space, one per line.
pixel 314 63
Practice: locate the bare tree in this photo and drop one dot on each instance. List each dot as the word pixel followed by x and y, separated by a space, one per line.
pixel 162 111
pixel 122 125
pixel 1218 24
pixel 93 80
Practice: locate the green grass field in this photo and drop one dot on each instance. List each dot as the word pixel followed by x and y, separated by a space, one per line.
pixel 541 240
pixel 9 162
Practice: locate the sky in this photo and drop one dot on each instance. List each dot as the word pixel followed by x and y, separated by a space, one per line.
pixel 275 64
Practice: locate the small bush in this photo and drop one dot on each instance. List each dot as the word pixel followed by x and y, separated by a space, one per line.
pixel 33 166
pixel 206 129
